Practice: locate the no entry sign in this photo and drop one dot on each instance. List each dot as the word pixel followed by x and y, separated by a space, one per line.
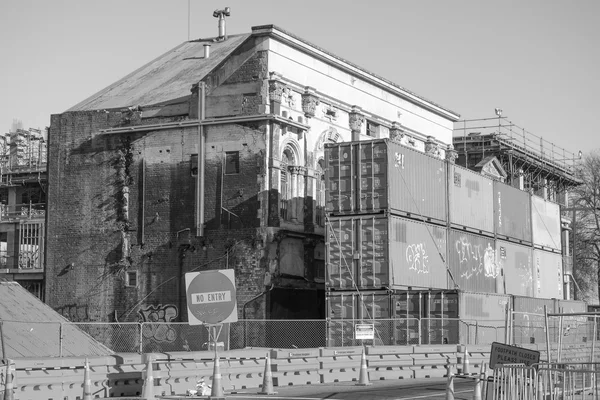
pixel 211 297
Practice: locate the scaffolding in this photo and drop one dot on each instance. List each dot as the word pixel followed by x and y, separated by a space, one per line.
pixel 530 162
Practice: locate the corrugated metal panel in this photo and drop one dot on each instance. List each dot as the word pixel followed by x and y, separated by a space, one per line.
pixel 340 247
pixel 381 175
pixel 548 275
pixel 344 309
pixel 417 253
pixel 425 317
pixel 472 261
pixel 374 264
pixel 572 306
pixel 483 306
pixel 471 200
pixel 512 213
pixel 516 265
pixel 528 319
pixel 483 317
pixel 384 251
pixel 340 178
pixel 545 218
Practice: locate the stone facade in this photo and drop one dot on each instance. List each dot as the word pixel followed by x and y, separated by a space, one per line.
pixel 122 202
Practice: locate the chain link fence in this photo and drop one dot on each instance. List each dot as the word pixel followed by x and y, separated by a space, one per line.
pixel 69 339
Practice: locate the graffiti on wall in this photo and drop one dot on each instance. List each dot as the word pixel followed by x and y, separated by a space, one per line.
pixel 74 312
pixel 417 258
pixel 157 318
pixel 475 260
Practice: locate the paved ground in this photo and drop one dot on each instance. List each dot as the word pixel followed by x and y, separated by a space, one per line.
pixel 429 388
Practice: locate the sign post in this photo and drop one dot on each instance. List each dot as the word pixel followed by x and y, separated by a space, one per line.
pixel 211 301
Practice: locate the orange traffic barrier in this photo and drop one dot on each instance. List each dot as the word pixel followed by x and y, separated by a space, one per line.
pixel 466 362
pixel 148 388
pixel 87 382
pixel 267 385
pixel 8 386
pixel 450 384
pixel 363 376
pixel 216 392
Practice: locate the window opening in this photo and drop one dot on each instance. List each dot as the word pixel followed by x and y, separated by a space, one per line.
pixel 232 162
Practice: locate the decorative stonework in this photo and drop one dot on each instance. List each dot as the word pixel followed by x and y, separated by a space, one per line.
pixel 396 132
pixel 432 147
pixel 356 120
pixel 276 87
pixel 451 154
pixel 310 101
pixel 288 97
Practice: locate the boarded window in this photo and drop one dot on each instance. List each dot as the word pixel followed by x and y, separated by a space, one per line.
pixel 232 162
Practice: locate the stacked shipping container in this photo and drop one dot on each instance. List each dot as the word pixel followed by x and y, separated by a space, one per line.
pixel 401 222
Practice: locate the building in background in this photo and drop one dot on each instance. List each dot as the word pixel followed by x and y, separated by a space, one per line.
pixel 531 164
pixel 23 186
pixel 211 157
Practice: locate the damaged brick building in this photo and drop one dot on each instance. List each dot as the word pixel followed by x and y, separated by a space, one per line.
pixel 211 157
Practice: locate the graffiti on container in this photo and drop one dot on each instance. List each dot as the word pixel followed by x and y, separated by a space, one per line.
pixel 474 260
pixel 157 318
pixel 74 312
pixel 417 258
pixel 399 158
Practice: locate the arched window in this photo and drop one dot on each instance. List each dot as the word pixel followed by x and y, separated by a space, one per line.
pixel 287 160
pixel 320 199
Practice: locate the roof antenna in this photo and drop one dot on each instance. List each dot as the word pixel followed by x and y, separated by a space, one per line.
pixel 189 20
pixel 221 14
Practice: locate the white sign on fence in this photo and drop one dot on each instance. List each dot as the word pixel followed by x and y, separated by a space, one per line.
pixel 364 331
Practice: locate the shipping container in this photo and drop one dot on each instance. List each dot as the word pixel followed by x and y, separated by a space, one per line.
pixel 346 309
pixel 384 251
pixel 483 317
pixel 575 329
pixel 512 213
pixel 417 317
pixel 528 319
pixel 425 317
pixel 471 200
pixel 546 227
pixel 382 175
pixel 515 262
pixel 472 262
pixel 548 275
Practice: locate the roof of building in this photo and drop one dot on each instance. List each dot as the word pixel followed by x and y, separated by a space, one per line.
pixel 31 328
pixel 171 76
pixel 166 78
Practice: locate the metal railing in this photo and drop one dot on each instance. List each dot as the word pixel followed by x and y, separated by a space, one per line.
pixel 22 211
pixel 571 381
pixel 144 337
pixel 514 136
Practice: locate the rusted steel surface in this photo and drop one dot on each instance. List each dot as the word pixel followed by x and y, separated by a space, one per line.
pixel 472 261
pixel 471 200
pixel 367 251
pixel 548 274
pixel 512 213
pixel 515 261
pixel 545 218
pixel 382 175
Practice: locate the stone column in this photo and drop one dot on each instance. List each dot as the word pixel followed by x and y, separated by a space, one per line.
pixel 451 154
pixel 276 89
pixel 432 147
pixel 310 101
pixel 396 132
pixel 357 119
pixel 293 203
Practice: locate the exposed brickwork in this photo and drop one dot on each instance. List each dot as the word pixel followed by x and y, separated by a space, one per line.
pixel 121 203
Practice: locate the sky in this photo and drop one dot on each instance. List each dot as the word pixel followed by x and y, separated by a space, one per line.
pixel 537 60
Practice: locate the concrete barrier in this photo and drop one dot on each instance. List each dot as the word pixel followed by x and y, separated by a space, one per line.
pixel 121 375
